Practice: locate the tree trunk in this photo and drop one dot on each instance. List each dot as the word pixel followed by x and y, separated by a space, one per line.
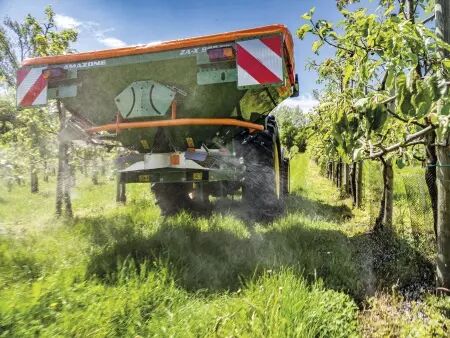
pixel 60 177
pixel 359 184
pixel 95 171
pixel 45 172
pixel 410 9
pixel 63 181
pixel 389 196
pixel 346 179
pixel 340 174
pixel 72 171
pixel 443 216
pixel 332 171
pixel 94 177
pixel 442 15
pixel 430 175
pixel 34 180
pixel 102 167
pixel 121 196
pixel 353 183
pixel 336 173
pixel 67 182
pixel 386 213
pixel 85 167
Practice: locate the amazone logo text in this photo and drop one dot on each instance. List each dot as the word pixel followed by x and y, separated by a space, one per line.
pixel 85 64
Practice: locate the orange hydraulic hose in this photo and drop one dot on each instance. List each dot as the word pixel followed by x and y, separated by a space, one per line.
pixel 174 110
pixel 177 122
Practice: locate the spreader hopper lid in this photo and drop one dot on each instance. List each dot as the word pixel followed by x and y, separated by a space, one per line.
pixel 170 45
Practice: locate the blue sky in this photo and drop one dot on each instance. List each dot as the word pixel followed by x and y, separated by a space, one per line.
pixel 105 24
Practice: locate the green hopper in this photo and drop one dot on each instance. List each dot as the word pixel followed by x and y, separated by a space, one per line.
pixel 194 113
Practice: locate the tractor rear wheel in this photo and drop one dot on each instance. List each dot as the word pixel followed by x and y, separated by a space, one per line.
pixel 172 197
pixel 262 188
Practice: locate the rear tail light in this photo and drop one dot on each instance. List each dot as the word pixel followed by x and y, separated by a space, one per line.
pixel 174 159
pixel 221 54
pixel 54 74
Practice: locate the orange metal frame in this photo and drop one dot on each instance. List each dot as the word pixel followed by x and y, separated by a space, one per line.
pixel 169 45
pixel 177 122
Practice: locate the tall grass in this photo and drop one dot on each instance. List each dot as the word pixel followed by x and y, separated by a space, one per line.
pixel 126 271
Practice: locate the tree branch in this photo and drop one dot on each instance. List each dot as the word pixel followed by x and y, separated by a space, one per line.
pixel 398 117
pixel 406 143
pixel 428 19
pixel 324 39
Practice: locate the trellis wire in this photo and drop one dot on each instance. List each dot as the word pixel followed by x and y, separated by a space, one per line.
pixel 413 215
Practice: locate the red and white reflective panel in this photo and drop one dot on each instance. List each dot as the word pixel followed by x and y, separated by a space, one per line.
pixel 31 87
pixel 259 61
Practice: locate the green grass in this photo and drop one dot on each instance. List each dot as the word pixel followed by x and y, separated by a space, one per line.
pixel 125 271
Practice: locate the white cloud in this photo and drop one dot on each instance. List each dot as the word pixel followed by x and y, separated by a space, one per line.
pixel 108 41
pixel 148 44
pixel 112 42
pixel 153 43
pixel 66 22
pixel 90 27
pixel 305 102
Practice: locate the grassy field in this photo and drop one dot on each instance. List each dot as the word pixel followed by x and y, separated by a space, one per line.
pixel 115 270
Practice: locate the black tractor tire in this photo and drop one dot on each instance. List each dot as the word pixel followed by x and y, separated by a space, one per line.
pixel 172 197
pixel 262 184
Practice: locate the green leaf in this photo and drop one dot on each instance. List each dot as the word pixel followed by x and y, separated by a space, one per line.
pixel 361 103
pixel 422 100
pixel 358 154
pixel 433 86
pixel 412 79
pixel 316 45
pixel 443 107
pixel 400 163
pixel 390 80
pixel 380 116
pixel 404 106
pixel 308 15
pixel 303 30
pixel 333 34
pixel 434 118
pixel 389 10
pixel 446 63
pixel 348 72
pixel 400 82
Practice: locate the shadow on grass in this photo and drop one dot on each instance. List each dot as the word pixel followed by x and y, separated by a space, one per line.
pixel 294 203
pixel 217 259
pixel 316 209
